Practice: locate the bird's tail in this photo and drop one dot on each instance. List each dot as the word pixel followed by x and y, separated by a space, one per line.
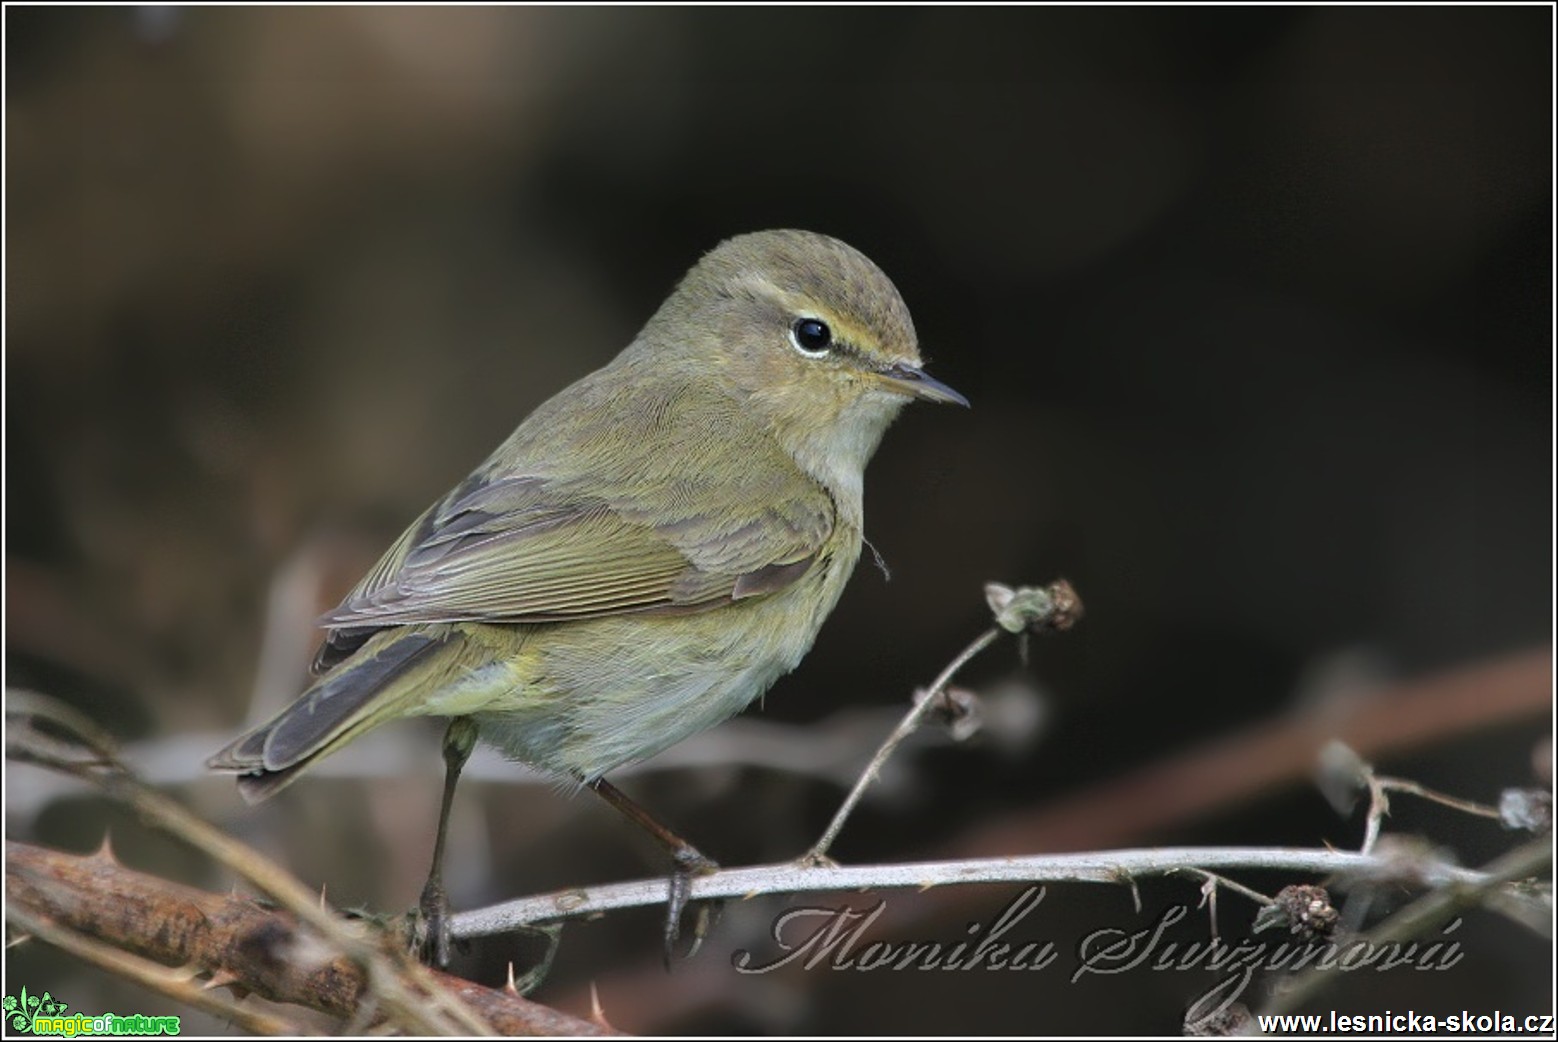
pixel 351 699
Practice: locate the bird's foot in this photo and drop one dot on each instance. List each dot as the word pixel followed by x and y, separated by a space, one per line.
pixel 689 865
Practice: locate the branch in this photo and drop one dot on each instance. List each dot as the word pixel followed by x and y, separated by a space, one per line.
pixel 1115 866
pixel 1229 770
pixel 1019 611
pixel 52 735
pixel 177 984
pixel 905 727
pixel 1422 915
pixel 119 919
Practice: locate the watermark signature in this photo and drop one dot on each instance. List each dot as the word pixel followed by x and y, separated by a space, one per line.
pixel 836 941
pixel 838 938
pixel 45 1015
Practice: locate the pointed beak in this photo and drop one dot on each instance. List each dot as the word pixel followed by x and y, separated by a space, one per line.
pixel 917 383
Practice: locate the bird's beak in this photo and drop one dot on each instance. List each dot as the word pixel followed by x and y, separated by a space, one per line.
pixel 917 383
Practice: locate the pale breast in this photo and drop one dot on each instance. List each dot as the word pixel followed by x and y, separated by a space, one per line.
pixel 606 692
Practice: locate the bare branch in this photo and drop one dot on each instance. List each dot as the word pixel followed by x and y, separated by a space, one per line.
pixel 1113 866
pixel 126 921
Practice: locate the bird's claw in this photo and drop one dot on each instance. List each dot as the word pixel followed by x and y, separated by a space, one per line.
pixel 689 865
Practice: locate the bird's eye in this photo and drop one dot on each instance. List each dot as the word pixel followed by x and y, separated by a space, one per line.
pixel 811 337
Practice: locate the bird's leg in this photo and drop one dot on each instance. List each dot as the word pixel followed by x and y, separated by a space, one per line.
pixel 688 862
pixel 459 741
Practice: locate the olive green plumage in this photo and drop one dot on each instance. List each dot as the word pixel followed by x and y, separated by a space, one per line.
pixel 651 549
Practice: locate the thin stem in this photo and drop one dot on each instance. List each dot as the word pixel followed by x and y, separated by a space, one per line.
pixel 818 853
pixel 1380 788
pixel 1406 785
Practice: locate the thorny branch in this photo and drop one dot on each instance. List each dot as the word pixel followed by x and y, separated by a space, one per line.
pixel 180 984
pixel 1113 866
pixel 396 987
pixel 140 926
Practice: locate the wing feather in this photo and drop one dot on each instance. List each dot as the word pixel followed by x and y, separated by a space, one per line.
pixel 655 525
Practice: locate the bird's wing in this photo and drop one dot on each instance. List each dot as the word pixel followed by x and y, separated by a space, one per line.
pixel 522 550
pixel 673 529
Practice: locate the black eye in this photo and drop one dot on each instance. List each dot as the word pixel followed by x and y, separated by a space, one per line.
pixel 812 336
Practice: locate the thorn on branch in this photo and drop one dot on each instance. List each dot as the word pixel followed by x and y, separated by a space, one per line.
pixel 598 1012
pixel 105 850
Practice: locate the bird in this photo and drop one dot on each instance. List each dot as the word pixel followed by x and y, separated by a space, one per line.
pixel 645 555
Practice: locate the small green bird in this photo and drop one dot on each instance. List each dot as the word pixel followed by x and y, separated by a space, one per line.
pixel 646 554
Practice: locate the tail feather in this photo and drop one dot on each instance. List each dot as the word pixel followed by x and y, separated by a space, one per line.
pixel 340 706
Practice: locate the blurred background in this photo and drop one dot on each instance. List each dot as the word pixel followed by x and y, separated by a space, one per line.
pixel 1253 307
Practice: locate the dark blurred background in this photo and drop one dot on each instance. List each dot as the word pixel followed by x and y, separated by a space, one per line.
pixel 1253 306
